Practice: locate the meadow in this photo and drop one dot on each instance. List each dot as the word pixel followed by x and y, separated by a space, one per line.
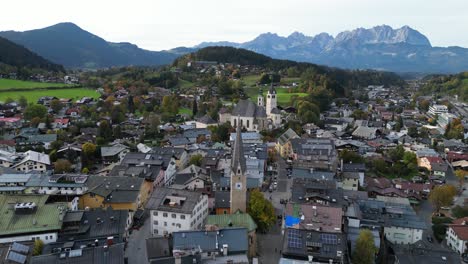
pixel 283 94
pixel 8 84
pixel 33 95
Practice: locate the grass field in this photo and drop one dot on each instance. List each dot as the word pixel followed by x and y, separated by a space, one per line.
pixel 7 84
pixel 183 84
pixel 185 111
pixel 283 95
pixel 33 95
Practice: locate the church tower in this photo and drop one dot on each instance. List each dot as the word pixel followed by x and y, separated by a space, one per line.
pixel 238 178
pixel 260 99
pixel 271 100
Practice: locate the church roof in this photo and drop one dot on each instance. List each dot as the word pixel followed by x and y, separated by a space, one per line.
pixel 238 158
pixel 272 89
pixel 246 108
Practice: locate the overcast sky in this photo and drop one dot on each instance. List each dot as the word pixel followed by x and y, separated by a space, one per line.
pixel 157 24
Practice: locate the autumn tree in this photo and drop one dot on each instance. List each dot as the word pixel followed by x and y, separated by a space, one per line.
pixel 365 250
pixel 261 210
pixel 461 174
pixel 38 246
pixel 88 153
pixel 196 160
pixel 62 165
pixel 442 196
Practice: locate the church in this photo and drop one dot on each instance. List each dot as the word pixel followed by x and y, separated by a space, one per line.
pixel 255 117
pixel 238 195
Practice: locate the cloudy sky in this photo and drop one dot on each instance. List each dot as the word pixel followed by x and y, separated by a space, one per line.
pixel 157 24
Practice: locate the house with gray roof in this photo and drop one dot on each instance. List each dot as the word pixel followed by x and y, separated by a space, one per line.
pixel 173 210
pixel 114 153
pixel 226 242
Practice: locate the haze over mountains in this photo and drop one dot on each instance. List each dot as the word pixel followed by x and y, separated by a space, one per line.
pixel 380 48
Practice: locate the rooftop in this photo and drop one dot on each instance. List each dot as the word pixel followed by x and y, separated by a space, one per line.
pixel 172 200
pixel 39 217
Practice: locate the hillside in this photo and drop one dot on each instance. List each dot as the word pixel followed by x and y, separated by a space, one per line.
pixel 447 85
pixel 15 55
pixel 346 78
pixel 381 48
pixel 73 47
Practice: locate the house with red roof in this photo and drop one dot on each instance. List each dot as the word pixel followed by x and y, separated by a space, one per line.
pixel 457 235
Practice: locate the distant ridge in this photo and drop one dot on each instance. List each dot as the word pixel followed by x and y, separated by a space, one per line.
pixel 73 47
pixel 15 55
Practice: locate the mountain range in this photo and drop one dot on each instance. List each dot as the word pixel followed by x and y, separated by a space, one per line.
pixel 380 48
pixel 73 47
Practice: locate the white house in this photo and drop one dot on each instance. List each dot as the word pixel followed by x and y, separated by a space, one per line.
pixel 33 161
pixel 176 210
pixel 457 235
pixel 437 109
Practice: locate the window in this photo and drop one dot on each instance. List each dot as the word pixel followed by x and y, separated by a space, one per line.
pixel 174 215
pixel 165 223
pixel 182 216
pixel 155 231
pixel 155 222
pixel 248 123
pixel 155 213
pixel 164 214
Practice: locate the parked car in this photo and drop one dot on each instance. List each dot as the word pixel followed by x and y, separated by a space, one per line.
pixel 429 239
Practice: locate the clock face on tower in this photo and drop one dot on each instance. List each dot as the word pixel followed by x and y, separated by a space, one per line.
pixel 238 185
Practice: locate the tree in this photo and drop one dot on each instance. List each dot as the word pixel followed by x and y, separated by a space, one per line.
pixel 365 250
pixel 35 110
pixel 9 100
pixel 105 130
pixel 194 107
pixel 349 156
pixel 442 196
pixel 196 160
pixel 461 174
pixel 23 102
pixel 62 165
pixel 88 153
pixel 38 246
pixel 56 105
pixel 261 210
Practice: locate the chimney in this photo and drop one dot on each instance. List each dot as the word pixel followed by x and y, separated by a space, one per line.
pixel 315 210
pixel 225 249
pixel 311 258
pixel 464 223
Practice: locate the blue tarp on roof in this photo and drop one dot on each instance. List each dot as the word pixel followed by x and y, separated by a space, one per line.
pixel 291 221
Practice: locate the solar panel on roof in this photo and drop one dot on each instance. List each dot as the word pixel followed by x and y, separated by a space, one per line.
pixel 75 253
pixel 294 239
pixel 329 239
pixel 20 248
pixel 16 257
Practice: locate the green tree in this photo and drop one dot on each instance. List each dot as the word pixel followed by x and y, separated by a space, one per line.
pixel 261 210
pixel 442 196
pixel 62 165
pixel 38 246
pixel 105 130
pixel 9 100
pixel 23 102
pixel 56 105
pixel 196 160
pixel 194 107
pixel 350 156
pixel 35 110
pixel 365 250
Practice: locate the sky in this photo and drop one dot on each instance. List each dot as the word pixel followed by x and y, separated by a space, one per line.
pixel 158 25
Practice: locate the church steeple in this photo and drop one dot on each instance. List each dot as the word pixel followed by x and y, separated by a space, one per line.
pixel 238 159
pixel 238 193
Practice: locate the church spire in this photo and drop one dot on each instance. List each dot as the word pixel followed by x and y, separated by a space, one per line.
pixel 238 158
